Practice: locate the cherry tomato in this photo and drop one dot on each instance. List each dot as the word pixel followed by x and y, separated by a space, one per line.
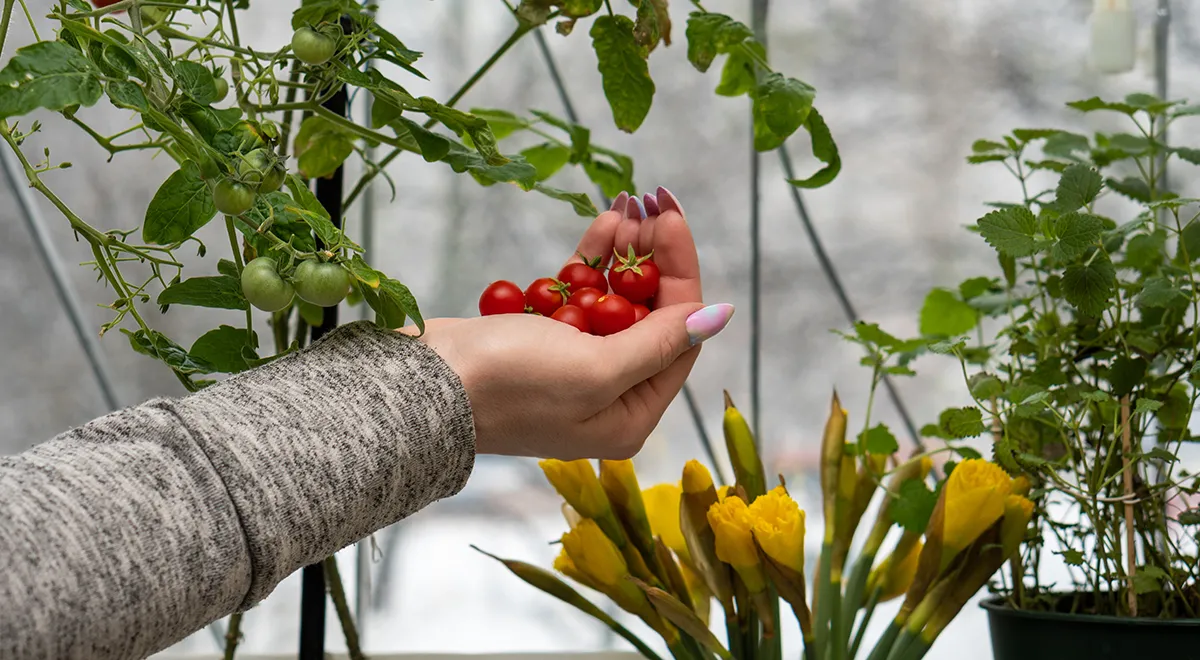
pixel 222 88
pixel 312 47
pixel 546 295
pixel 640 312
pixel 573 316
pixel 634 277
pixel 611 314
pixel 325 284
pixel 584 298
pixel 273 179
pixel 264 288
pixel 501 297
pixel 581 276
pixel 232 197
pixel 104 3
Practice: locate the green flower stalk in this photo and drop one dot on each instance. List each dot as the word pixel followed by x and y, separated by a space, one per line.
pixel 828 588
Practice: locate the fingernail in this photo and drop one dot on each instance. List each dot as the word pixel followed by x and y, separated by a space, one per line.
pixel 706 323
pixel 668 202
pixel 650 204
pixel 633 208
pixel 619 203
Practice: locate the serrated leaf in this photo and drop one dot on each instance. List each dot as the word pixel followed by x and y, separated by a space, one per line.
pixel 1071 557
pixel 48 74
pixel 321 147
pixel 1189 517
pixel 223 349
pixel 1010 231
pixel 1148 579
pixel 1160 454
pixel 824 149
pixel 984 386
pixel 220 292
pixel 227 267
pixel 1089 286
pixel 878 440
pixel 1074 234
pixel 1066 145
pixel 965 452
pixel 1030 134
pixel 913 506
pixel 976 159
pixel 958 423
pixel 984 146
pixel 1161 292
pixel 624 73
pixel 579 201
pixel 1186 153
pixel 1144 405
pixel 1096 103
pixel 547 158
pixel 181 206
pixel 1126 374
pixel 1131 187
pixel 710 34
pixel 943 314
pixel 1077 187
pixel 781 105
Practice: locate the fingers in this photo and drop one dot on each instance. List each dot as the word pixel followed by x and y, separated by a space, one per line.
pixel 630 229
pixel 651 346
pixel 674 248
pixel 598 240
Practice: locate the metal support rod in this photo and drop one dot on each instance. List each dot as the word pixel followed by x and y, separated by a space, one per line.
pixel 758 23
pixel 58 277
pixel 1162 33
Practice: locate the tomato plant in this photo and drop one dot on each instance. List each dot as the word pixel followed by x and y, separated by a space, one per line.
pixel 572 316
pixel 501 297
pixel 611 314
pixel 583 275
pixel 545 295
pixel 634 277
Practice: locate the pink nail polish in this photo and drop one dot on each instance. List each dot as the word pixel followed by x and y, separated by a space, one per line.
pixel 668 202
pixel 706 323
pixel 619 203
pixel 650 204
pixel 633 208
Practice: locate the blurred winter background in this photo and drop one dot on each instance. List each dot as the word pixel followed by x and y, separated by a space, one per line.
pixel 905 85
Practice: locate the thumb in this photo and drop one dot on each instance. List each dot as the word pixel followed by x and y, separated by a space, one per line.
pixel 653 344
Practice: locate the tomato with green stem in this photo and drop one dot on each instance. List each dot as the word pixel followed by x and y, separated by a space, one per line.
pixel 264 287
pixel 312 47
pixel 611 314
pixel 321 283
pixel 253 167
pixel 501 297
pixel 546 295
pixel 572 316
pixel 232 197
pixel 222 88
pixel 273 179
pixel 581 275
pixel 636 278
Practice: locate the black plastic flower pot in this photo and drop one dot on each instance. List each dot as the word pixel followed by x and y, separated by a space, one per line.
pixel 1029 635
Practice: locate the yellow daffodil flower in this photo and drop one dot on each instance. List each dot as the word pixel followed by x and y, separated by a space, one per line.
pixel 577 483
pixel 975 497
pixel 595 555
pixel 732 525
pixel 779 528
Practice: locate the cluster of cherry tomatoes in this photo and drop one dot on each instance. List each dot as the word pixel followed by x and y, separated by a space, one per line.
pixel 580 296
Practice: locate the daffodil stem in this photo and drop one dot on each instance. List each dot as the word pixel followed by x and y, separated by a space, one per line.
pixel 837 634
pixel 734 633
pixel 883 647
pixel 855 587
pixel 901 647
pixel 810 648
pixel 872 601
pixel 824 597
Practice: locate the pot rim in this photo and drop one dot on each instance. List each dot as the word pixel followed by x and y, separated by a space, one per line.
pixel 997 605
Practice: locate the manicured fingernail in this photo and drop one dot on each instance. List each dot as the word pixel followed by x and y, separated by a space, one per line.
pixel 619 203
pixel 706 323
pixel 633 209
pixel 668 202
pixel 650 204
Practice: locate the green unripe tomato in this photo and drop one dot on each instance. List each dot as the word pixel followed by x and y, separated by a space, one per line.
pixel 232 197
pixel 323 284
pixel 222 88
pixel 264 288
pixel 253 167
pixel 312 47
pixel 273 179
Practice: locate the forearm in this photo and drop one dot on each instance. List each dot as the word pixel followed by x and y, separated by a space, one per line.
pixel 126 534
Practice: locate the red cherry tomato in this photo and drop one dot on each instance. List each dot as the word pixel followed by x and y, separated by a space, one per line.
pixel 635 278
pixel 581 276
pixel 501 297
pixel 104 3
pixel 640 312
pixel 611 314
pixel 585 298
pixel 546 295
pixel 573 316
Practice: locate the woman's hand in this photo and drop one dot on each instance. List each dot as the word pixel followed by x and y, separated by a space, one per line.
pixel 539 387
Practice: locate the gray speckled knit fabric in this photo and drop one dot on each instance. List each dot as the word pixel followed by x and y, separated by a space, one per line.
pixel 123 536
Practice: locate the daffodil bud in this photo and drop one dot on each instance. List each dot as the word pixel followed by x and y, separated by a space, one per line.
pixel 779 528
pixel 739 441
pixel 595 555
pixel 696 477
pixel 896 573
pixel 731 523
pixel 975 495
pixel 698 497
pixel 576 482
pixel 564 565
pixel 832 446
pixel 620 483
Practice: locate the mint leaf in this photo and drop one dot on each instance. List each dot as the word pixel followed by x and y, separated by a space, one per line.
pixel 1078 186
pixel 1071 557
pixel 1131 187
pixel 1148 579
pixel 1074 234
pixel 624 73
pixel 878 440
pixel 182 205
pixel 958 423
pixel 943 314
pixel 1088 287
pixel 711 34
pixel 222 348
pixel 50 75
pixel 913 506
pixel 781 105
pixel 1096 103
pixel 1146 406
pixel 220 292
pixel 1010 230
pixel 1161 292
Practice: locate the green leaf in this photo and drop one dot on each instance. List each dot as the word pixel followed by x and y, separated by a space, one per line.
pixel 966 452
pixel 1161 292
pixel 48 74
pixel 1089 286
pixel 227 267
pixel 579 201
pixel 1190 155
pixel 943 314
pixel 985 386
pixel 222 348
pixel 581 137
pixel 1148 579
pixel 1189 517
pixel 958 423
pixel 1078 186
pixel 364 273
pixel 502 122
pixel 434 146
pixel 738 76
pixel 1160 454
pixel 623 71
pixel 393 303
pixel 975 287
pixel 196 81
pixel 984 146
pixel 824 149
pixel 127 94
pixel 913 506
pixel 1030 134
pixel 976 159
pixel 321 147
pixel 312 213
pixel 313 315
pixel 1131 187
pixel 1146 406
pixel 710 34
pixel 781 105
pixel 1126 374
pixel 182 205
pixel 1150 102
pixel 1010 230
pixel 547 158
pixel 220 292
pixel 1074 234
pixel 1096 103
pixel 315 12
pixel 286 222
pixel 612 177
pixel 1071 557
pixel 160 347
pixel 1066 145
pixel 879 441
pixel 1145 251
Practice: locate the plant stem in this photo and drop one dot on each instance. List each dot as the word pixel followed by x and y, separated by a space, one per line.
pixel 872 601
pixel 233 635
pixel 338 594
pixel 4 21
pixel 237 262
pixel 1130 541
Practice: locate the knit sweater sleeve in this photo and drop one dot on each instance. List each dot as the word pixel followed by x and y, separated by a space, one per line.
pixel 124 535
